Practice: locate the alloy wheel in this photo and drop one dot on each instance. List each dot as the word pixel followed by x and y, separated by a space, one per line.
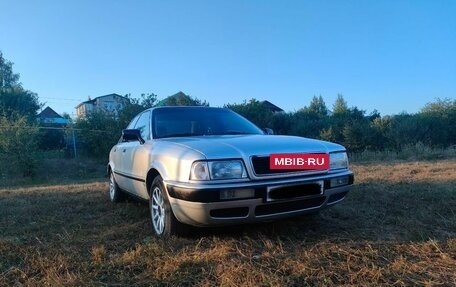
pixel 157 211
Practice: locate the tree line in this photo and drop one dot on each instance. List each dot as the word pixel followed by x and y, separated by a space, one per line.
pixel 21 137
pixel 434 125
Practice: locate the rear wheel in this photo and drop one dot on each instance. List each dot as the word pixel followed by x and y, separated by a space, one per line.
pixel 115 194
pixel 164 223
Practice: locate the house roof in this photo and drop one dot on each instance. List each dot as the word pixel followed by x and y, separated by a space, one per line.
pixel 109 95
pixel 94 99
pixel 49 113
pixel 271 106
pixel 86 102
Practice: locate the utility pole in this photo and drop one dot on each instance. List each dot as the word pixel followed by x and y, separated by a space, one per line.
pixel 74 145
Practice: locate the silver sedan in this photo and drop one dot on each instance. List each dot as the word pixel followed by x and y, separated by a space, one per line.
pixel 204 166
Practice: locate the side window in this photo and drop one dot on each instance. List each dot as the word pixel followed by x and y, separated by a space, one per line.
pixel 143 124
pixel 130 126
pixel 132 123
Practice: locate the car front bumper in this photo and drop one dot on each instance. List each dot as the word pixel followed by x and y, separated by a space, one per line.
pixel 200 205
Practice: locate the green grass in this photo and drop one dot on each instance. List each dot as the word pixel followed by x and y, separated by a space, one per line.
pixel 397 227
pixel 51 167
pixel 414 152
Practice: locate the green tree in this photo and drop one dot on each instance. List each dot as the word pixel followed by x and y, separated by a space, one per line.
pixel 148 100
pixel 136 105
pixel 356 130
pixel 329 134
pixel 438 123
pixel 378 139
pixel 97 133
pixel 339 118
pixel 340 106
pixel 309 121
pixel 350 127
pixel 18 129
pixel 8 79
pixel 405 131
pixel 14 99
pixel 181 99
pixel 254 111
pixel 282 123
pixel 440 106
pixel 17 145
pixel 317 107
pixel 355 136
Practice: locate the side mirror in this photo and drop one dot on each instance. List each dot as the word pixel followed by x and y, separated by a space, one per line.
pixel 268 131
pixel 132 135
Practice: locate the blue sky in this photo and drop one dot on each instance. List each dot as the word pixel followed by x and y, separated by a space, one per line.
pixel 392 56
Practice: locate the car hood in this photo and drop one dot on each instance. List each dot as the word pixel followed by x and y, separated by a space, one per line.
pixel 235 146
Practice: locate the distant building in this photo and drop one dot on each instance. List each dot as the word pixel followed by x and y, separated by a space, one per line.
pixel 52 126
pixel 49 117
pixel 273 108
pixel 111 103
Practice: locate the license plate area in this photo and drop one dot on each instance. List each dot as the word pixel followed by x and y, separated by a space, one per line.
pixel 286 192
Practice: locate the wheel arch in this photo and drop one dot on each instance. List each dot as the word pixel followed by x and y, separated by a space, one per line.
pixel 108 169
pixel 151 175
pixel 177 226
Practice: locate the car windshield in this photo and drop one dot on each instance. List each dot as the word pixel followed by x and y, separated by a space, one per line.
pixel 199 121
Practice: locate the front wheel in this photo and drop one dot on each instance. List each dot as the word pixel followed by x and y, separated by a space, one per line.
pixel 164 223
pixel 115 194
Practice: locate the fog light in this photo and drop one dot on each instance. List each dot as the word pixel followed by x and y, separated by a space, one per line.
pixel 236 193
pixel 339 181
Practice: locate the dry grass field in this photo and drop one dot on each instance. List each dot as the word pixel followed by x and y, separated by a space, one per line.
pixel 397 227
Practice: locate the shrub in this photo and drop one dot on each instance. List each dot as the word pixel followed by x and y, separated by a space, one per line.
pixel 18 139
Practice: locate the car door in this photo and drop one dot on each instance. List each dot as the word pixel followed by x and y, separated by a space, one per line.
pixel 118 158
pixel 135 158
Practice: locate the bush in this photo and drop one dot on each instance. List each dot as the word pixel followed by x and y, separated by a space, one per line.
pixel 96 134
pixel 18 139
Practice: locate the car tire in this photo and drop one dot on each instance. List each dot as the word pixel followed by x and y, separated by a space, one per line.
pixel 164 223
pixel 115 193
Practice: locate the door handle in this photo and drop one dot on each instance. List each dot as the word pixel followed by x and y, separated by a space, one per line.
pixel 124 150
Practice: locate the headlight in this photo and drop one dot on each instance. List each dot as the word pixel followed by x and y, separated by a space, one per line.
pixel 199 171
pixel 228 169
pixel 338 160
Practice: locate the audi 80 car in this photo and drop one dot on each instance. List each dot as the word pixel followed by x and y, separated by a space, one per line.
pixel 204 166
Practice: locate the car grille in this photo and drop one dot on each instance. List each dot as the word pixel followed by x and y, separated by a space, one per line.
pixel 261 166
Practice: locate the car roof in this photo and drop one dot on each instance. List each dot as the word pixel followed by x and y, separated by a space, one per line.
pixel 187 108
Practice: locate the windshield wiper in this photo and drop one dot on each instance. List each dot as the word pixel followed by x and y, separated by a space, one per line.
pixel 234 133
pixel 181 135
pixel 208 134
